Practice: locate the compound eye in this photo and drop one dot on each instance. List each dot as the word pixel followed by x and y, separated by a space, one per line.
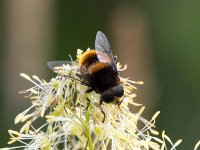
pixel 107 97
pixel 118 91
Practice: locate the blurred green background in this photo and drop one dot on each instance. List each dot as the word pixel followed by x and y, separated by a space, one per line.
pixel 159 40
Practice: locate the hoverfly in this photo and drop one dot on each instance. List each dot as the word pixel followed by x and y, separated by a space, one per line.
pixel 98 71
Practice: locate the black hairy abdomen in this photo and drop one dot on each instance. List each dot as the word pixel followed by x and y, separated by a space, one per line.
pixel 103 79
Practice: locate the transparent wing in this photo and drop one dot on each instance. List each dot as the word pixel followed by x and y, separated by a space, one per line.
pixel 53 64
pixel 102 45
pixel 58 67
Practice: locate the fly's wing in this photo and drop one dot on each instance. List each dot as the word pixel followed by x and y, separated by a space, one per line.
pixel 58 67
pixel 102 45
pixel 53 64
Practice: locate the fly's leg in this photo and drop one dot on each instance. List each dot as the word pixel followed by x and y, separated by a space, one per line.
pixel 119 103
pixel 88 103
pixel 104 114
pixel 88 91
pixel 115 59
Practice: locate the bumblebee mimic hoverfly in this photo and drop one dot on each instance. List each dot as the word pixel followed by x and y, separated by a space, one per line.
pixel 98 71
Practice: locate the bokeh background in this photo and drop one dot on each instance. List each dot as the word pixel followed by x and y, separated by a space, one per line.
pixel 159 40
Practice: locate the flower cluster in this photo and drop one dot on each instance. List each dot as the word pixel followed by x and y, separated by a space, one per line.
pixel 71 122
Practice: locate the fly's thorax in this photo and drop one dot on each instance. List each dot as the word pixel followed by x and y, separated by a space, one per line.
pixel 90 58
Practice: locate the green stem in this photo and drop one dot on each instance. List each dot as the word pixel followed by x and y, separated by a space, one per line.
pixel 87 129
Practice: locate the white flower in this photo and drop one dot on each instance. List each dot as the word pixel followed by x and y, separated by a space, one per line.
pixel 62 102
